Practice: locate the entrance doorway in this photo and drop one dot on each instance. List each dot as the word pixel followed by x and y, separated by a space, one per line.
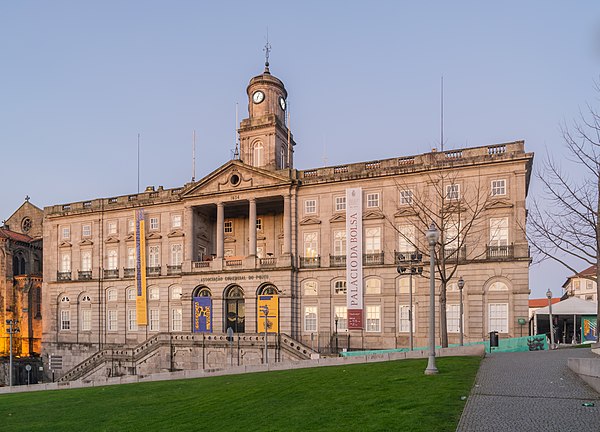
pixel 235 309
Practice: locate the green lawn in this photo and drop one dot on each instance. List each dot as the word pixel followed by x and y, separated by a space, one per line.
pixel 389 396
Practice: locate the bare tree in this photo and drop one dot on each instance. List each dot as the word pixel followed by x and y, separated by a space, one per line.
pixel 457 214
pixel 564 225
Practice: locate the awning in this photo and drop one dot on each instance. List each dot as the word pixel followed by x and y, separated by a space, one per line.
pixel 571 306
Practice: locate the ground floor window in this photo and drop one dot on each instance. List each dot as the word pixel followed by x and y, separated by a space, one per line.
pixel 132 320
pixel 498 317
pixel 341 313
pixel 374 318
pixel 112 320
pixel 86 319
pixel 154 320
pixel 453 318
pixel 65 320
pixel 310 318
pixel 176 319
pixel 404 314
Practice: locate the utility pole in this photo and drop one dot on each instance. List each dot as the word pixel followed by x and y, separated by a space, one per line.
pixel 265 310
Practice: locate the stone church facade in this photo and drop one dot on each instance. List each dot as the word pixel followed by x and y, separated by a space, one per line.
pixel 257 226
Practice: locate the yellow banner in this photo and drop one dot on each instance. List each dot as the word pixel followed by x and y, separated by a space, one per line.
pixel 272 303
pixel 140 269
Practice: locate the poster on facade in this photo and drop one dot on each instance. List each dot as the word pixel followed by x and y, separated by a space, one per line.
pixel 202 314
pixel 589 329
pixel 140 268
pixel 354 270
pixel 271 302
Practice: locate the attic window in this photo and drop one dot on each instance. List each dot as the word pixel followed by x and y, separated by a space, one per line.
pixel 26 224
pixel 234 180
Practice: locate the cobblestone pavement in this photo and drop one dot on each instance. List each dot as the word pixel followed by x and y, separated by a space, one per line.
pixel 531 391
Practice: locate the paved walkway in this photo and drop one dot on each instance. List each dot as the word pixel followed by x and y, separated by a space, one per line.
pixel 531 391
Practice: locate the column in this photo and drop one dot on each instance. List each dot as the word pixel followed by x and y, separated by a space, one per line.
pixel 252 227
pixel 287 225
pixel 220 229
pixel 188 239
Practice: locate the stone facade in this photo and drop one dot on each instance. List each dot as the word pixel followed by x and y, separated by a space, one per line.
pixel 257 226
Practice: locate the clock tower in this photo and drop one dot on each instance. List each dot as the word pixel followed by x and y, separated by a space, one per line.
pixel 265 141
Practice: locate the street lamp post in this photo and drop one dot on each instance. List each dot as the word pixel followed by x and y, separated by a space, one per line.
pixel 336 335
pixel 432 235
pixel 12 329
pixel 549 295
pixel 265 310
pixel 461 285
pixel 414 258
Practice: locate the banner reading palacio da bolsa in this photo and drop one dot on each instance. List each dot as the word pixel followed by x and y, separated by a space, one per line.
pixel 354 270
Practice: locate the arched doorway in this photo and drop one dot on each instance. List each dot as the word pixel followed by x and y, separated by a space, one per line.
pixel 235 309
pixel 202 310
pixel 267 301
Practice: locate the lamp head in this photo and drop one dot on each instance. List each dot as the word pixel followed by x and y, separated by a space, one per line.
pixel 549 294
pixel 461 283
pixel 432 235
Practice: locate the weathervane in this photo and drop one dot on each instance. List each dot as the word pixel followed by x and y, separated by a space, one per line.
pixel 267 50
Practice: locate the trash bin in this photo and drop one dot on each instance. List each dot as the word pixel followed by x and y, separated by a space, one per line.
pixel 493 339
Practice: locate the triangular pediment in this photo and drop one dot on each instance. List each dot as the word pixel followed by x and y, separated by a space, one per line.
pixel 310 221
pixel 501 203
pixel 235 176
pixel 130 237
pixel 86 242
pixel 338 218
pixel 409 211
pixel 153 236
pixel 175 233
pixel 65 244
pixel 372 214
pixel 112 239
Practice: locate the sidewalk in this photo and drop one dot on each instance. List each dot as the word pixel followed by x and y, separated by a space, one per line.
pixel 531 391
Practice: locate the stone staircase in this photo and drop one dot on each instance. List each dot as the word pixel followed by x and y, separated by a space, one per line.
pixel 131 357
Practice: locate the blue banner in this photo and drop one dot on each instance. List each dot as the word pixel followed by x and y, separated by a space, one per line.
pixel 202 315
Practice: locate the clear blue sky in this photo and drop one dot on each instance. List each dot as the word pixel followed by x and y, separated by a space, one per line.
pixel 79 81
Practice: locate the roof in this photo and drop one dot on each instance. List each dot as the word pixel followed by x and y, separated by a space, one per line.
pixel 571 306
pixel 539 303
pixel 15 236
pixel 589 272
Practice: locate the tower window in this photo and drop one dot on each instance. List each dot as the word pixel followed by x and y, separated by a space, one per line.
pixel 258 154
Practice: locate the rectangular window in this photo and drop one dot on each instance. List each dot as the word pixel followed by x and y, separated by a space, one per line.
pixel 154 256
pixel 86 230
pixel 111 227
pixel 130 226
pixel 373 200
pixel 341 313
pixel 228 227
pixel 132 320
pixel 452 236
pixel 176 319
pixel 406 238
pixel 66 233
pixel 130 257
pixel 373 240
pixel 86 319
pixel 453 318
pixel 65 262
pixel 176 221
pixel 86 260
pixel 498 317
pixel 112 259
pixel 499 232
pixel 339 242
pixel 154 320
pixel 259 224
pixel 311 245
pixel 373 318
pixel 404 315
pixel 176 254
pixel 452 192
pixel 310 318
pixel 498 187
pixel 112 320
pixel 65 320
pixel 310 206
pixel 154 223
pixel 340 203
pixel 406 197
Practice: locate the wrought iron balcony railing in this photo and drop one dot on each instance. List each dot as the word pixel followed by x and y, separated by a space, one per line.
pixel 373 258
pixel 63 275
pixel 174 269
pixel 310 262
pixel 337 260
pixel 84 274
pixel 111 274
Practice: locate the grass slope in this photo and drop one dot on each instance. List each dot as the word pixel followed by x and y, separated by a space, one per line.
pixel 389 396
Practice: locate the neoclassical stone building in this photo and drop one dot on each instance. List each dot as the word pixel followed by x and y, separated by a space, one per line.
pixel 257 226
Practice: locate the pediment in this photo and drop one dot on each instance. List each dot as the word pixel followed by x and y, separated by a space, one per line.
pixel 86 242
pixel 130 237
pixel 372 214
pixel 229 239
pixel 175 233
pixel 65 244
pixel 338 218
pixel 153 236
pixel 405 212
pixel 232 177
pixel 500 203
pixel 310 221
pixel 112 239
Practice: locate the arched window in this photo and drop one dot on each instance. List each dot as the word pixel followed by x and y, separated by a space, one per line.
pixel 268 289
pixel 373 286
pixel 404 285
pixel 154 293
pixel 131 294
pixel 202 291
pixel 111 294
pixel 65 299
pixel 176 293
pixel 339 287
pixel 235 309
pixel 452 287
pixel 86 299
pixel 498 286
pixel 258 154
pixel 311 288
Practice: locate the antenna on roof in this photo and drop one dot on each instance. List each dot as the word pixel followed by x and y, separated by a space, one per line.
pixel 325 160
pixel 236 153
pixel 289 145
pixel 138 162
pixel 442 115
pixel 194 155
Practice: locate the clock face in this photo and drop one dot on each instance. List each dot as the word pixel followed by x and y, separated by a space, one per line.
pixel 258 97
pixel 282 103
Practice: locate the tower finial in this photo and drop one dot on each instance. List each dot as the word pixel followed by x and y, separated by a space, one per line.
pixel 267 50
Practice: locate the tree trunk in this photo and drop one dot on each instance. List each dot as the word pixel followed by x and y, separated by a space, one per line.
pixel 443 322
